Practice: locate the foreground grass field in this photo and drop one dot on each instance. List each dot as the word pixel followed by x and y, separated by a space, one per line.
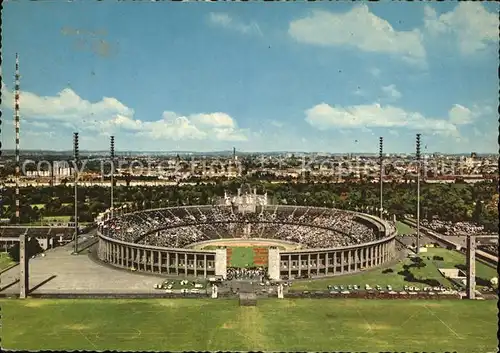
pixel 277 325
pixel 396 278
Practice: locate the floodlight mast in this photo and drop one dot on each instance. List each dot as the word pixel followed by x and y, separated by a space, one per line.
pixel 112 154
pixel 381 159
pixel 417 155
pixel 1 181
pixel 17 124
pixel 76 157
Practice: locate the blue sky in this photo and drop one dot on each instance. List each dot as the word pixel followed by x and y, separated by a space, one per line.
pixel 329 77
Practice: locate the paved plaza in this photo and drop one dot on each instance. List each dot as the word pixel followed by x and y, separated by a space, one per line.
pixel 60 271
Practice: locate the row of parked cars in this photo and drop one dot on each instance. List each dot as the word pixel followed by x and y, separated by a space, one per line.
pixel 168 286
pixel 411 289
pixel 487 290
pixel 270 283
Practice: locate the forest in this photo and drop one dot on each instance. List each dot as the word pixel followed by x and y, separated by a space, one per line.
pixel 455 202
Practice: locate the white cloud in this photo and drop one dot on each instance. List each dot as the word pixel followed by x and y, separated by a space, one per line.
pixel 361 29
pixel 391 91
pixel 471 26
pixel 460 115
pixel 215 120
pixel 325 117
pixel 222 19
pixel 276 123
pixel 68 110
pixel 65 106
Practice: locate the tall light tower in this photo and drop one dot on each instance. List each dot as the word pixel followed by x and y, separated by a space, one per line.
pixel 381 160
pixel 112 153
pixel 16 123
pixel 1 181
pixel 76 158
pixel 417 155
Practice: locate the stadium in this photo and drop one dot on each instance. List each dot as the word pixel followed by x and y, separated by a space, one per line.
pixel 244 231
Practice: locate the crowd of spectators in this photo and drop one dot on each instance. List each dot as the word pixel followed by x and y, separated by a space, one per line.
pixel 460 229
pixel 450 228
pixel 309 226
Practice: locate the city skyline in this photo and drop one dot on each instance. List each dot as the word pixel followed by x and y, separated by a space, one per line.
pixel 319 78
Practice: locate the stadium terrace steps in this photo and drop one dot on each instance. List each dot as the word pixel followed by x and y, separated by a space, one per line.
pixel 261 256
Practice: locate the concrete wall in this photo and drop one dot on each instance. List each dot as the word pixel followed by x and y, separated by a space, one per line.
pixel 151 259
pixel 221 262
pixel 332 262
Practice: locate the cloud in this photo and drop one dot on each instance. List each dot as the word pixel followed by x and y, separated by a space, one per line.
pixel 325 117
pixel 276 123
pixel 223 20
pixel 65 106
pixel 469 24
pixel 460 115
pixel 109 116
pixel 361 29
pixel 391 92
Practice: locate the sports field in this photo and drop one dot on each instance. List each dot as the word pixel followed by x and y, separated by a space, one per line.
pixel 240 256
pixel 273 325
pixel 237 256
pixel 243 253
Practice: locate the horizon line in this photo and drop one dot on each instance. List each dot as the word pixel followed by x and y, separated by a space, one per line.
pixel 240 151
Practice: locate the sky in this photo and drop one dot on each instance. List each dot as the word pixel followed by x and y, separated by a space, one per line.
pixel 314 77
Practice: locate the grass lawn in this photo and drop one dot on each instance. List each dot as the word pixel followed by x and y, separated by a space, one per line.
pixel 397 281
pixel 210 247
pixel 404 228
pixel 273 325
pixel 5 260
pixel 57 218
pixel 242 256
pixel 38 205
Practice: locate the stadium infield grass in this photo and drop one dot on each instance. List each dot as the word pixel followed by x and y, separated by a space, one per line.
pixel 241 256
pixel 273 325
pixel 430 271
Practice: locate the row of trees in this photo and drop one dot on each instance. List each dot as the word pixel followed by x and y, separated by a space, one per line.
pixel 454 202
